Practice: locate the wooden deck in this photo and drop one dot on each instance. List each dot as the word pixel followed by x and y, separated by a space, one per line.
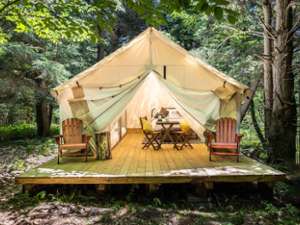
pixel 132 165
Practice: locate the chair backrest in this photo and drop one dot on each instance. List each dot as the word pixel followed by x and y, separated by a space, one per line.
pixel 185 127
pixel 72 131
pixel 226 130
pixel 147 129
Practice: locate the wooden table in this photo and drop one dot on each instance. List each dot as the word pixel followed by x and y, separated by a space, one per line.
pixel 167 126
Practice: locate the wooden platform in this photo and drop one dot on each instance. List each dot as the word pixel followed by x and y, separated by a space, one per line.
pixel 132 165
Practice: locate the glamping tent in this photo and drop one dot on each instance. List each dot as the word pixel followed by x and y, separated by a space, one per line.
pixel 149 72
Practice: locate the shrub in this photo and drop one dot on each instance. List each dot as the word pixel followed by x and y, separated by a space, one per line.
pixel 22 131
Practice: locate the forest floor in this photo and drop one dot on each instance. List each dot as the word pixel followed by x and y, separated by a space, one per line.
pixel 170 205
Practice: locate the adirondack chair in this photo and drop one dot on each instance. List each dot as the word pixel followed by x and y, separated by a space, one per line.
pixel 151 136
pixel 225 141
pixel 72 138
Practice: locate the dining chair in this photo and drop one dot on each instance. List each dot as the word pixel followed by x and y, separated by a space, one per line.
pixel 182 136
pixel 151 135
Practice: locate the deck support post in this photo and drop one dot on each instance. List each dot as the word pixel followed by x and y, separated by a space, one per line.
pixel 26 188
pixel 209 185
pixel 152 187
pixel 100 188
pixel 203 189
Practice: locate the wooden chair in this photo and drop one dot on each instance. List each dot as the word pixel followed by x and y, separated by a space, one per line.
pixel 182 136
pixel 151 136
pixel 225 138
pixel 72 138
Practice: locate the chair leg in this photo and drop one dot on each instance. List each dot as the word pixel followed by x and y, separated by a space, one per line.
pixel 147 143
pixel 58 153
pixel 153 145
pixel 210 154
pixel 157 141
pixel 86 153
pixel 176 142
pixel 187 142
pixel 145 146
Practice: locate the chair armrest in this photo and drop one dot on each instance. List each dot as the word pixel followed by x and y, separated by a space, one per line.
pixel 210 136
pixel 86 138
pixel 238 137
pixel 59 139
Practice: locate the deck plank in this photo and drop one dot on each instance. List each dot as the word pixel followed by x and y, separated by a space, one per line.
pixel 131 164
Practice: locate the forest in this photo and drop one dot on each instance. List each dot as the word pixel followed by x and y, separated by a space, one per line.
pixel 44 43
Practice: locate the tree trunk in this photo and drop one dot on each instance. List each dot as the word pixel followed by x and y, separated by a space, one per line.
pixel 43 109
pixel 253 87
pixel 256 125
pixel 43 117
pixel 100 51
pixel 268 79
pixel 100 46
pixel 283 126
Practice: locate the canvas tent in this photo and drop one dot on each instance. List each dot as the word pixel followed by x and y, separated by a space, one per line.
pixel 149 72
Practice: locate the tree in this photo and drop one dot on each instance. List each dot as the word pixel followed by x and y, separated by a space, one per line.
pixel 267 63
pixel 284 114
pixel 55 22
pixel 280 105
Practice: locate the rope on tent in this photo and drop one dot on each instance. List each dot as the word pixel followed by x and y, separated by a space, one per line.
pixel 91 122
pixel 103 98
pixel 120 85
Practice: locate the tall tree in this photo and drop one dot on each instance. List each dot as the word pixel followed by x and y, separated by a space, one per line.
pixel 281 113
pixel 267 62
pixel 283 126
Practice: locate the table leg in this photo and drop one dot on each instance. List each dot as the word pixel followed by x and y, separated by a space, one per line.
pixel 167 133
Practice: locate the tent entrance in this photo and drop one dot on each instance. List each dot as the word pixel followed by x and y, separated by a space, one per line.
pixel 153 95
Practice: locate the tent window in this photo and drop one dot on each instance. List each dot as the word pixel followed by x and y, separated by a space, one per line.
pixel 165 72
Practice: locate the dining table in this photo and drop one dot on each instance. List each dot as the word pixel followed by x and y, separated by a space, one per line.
pixel 167 126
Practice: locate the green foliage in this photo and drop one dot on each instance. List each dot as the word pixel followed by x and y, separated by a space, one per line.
pixel 55 21
pixel 157 202
pixel 21 131
pixel 184 28
pixel 21 201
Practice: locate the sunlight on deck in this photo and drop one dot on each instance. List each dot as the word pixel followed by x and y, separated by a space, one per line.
pixel 130 161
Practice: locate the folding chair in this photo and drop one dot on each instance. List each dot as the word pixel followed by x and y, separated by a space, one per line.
pixel 151 136
pixel 183 136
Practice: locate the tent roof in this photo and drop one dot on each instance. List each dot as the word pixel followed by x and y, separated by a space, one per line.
pixel 151 50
